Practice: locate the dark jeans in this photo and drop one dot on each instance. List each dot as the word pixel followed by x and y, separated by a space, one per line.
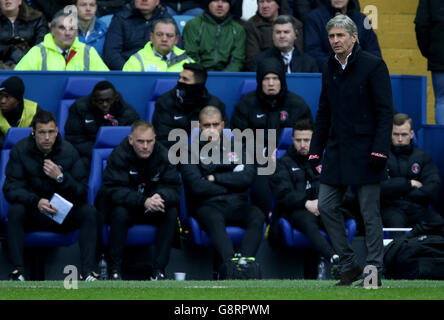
pixel 330 199
pixel 309 224
pixel 21 220
pixel 122 218
pixel 214 217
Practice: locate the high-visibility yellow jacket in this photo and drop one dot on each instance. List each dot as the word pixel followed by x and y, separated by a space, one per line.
pixel 46 57
pixel 29 110
pixel 146 60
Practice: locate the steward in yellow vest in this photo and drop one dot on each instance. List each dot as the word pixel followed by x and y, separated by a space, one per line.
pixel 61 50
pixel 14 110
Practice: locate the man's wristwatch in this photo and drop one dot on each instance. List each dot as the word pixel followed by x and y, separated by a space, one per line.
pixel 59 178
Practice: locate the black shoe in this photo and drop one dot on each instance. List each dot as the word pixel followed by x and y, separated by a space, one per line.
pixel 115 275
pixel 157 275
pixel 348 277
pixel 92 276
pixel 16 276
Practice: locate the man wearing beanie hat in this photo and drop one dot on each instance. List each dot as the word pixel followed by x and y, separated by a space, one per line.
pixel 270 106
pixel 214 39
pixel 14 110
pixel 259 29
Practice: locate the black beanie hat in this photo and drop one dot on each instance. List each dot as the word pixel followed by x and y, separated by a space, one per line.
pixel 14 87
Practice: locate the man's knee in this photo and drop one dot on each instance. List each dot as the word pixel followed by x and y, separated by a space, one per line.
pixel 119 215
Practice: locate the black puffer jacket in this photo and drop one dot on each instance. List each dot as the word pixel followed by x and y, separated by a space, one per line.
pixel 84 120
pixel 30 28
pixel 129 181
pixel 26 182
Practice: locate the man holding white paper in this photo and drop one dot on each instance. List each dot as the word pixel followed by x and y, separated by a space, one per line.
pixel 40 166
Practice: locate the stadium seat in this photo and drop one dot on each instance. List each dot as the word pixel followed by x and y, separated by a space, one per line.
pixel 36 238
pixel 107 138
pixel 292 237
pixel 181 21
pixel 62 115
pixel 247 86
pixel 14 135
pixel 160 87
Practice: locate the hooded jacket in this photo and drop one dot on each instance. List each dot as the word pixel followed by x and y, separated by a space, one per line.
pixel 97 36
pixel 170 113
pixel 30 27
pixel 26 182
pixel 255 110
pixel 316 42
pixel 217 46
pixel 84 121
pixel 128 32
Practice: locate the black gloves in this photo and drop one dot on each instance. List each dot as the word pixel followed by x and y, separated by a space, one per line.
pixel 378 161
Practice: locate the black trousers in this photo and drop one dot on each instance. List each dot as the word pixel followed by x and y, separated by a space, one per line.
pixel 310 225
pixel 261 195
pixel 21 220
pixel 407 214
pixel 213 218
pixel 121 218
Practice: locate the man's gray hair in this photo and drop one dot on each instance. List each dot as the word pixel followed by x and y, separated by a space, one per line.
pixel 342 21
pixel 284 19
pixel 167 21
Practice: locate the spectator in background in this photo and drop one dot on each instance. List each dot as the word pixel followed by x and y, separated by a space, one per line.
pixel 130 31
pixel 21 27
pixel 110 7
pixel 176 108
pixel 140 185
pixel 429 29
pixel 48 7
pixel 183 7
pixel 316 37
pixel 15 111
pixel 39 166
pixel 161 53
pixel 284 48
pixel 259 30
pixel 242 10
pixel 303 7
pixel 61 50
pixel 295 188
pixel 214 39
pixel 218 190
pixel 413 182
pixel 103 107
pixel 92 31
pixel 270 106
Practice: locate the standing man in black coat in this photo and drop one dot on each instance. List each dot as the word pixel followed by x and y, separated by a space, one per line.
pixel 413 183
pixel 40 166
pixel 103 107
pixel 354 125
pixel 176 108
pixel 429 27
pixel 140 186
pixel 270 106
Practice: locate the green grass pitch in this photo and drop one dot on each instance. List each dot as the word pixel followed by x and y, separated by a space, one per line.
pixel 220 290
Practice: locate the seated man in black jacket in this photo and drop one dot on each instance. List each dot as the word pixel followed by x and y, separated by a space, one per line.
pixel 284 35
pixel 270 106
pixel 295 188
pixel 176 108
pixel 413 183
pixel 103 107
pixel 219 190
pixel 140 186
pixel 40 166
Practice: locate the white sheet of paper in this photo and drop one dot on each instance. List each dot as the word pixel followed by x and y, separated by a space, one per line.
pixel 63 207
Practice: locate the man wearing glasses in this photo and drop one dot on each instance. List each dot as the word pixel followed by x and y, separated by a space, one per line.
pixel 161 53
pixel 40 166
pixel 103 107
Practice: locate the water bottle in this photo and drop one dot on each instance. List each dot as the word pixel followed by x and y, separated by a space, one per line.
pixel 103 268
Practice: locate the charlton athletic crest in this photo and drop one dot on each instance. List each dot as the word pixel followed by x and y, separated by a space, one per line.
pixel 232 157
pixel 284 115
pixel 416 168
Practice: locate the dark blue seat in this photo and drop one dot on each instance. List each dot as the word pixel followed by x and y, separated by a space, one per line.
pixel 160 87
pixel 36 238
pixel 292 237
pixel 75 87
pixel 107 138
pixel 181 21
pixel 14 135
pixel 247 86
